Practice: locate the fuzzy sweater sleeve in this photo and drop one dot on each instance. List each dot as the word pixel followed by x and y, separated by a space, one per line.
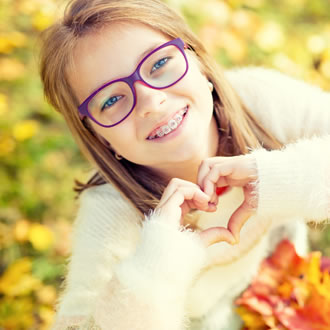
pixel 288 108
pixel 124 275
pixel 295 181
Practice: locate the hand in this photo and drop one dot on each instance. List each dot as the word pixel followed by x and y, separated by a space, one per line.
pixel 179 197
pixel 238 171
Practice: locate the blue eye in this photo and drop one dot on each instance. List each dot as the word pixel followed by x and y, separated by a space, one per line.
pixel 159 64
pixel 110 102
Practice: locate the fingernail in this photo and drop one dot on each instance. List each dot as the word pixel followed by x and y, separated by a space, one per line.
pixel 234 240
pixel 211 207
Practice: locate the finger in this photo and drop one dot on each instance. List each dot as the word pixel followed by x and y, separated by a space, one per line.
pixel 173 185
pixel 181 194
pixel 222 182
pixel 217 172
pixel 215 235
pixel 209 207
pixel 203 170
pixel 238 219
pixel 215 198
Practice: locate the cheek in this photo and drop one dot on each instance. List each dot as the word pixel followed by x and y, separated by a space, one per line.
pixel 198 84
pixel 122 139
pixel 201 93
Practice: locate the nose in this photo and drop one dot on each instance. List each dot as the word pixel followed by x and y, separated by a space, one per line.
pixel 148 100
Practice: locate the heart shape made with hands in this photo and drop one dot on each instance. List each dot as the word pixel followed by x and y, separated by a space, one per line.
pixel 232 232
pixel 215 176
pixel 218 234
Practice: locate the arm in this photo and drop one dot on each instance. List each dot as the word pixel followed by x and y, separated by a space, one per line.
pixel 288 108
pixel 281 184
pixel 148 290
pixel 296 180
pixel 123 278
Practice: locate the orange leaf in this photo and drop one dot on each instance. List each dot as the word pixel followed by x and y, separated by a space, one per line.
pixel 289 292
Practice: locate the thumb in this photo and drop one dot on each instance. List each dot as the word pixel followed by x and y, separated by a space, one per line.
pixel 239 218
pixel 216 234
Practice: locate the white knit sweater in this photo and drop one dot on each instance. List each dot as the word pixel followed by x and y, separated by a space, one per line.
pixel 125 275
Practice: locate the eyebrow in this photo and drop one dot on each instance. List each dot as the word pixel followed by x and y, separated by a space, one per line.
pixel 140 58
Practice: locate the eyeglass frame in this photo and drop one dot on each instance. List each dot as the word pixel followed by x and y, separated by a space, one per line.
pixel 131 79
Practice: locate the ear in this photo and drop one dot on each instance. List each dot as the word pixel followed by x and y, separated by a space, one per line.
pixel 211 87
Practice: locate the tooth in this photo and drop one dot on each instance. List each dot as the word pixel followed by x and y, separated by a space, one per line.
pixel 178 118
pixel 166 129
pixel 172 124
pixel 183 111
pixel 160 133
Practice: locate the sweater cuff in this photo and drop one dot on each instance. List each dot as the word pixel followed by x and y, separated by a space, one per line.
pixel 294 181
pixel 166 260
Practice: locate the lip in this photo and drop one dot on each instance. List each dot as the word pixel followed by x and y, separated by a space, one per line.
pixel 174 133
pixel 165 122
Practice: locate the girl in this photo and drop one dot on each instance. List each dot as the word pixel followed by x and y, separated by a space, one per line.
pixel 168 131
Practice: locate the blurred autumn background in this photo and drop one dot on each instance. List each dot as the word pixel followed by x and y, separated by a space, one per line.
pixel 39 160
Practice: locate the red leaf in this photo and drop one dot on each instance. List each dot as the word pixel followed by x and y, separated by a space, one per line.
pixel 221 190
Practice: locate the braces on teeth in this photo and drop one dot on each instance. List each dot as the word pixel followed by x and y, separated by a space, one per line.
pixel 171 125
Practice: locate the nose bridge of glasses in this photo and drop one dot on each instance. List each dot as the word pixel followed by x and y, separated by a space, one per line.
pixel 133 78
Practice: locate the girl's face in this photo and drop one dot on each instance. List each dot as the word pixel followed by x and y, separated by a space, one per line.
pixel 114 53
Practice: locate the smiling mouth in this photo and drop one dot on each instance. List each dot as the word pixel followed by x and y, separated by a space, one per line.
pixel 171 126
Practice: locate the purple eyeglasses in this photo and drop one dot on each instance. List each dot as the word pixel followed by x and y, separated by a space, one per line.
pixel 113 102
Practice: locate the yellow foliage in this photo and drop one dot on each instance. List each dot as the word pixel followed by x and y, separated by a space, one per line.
pixel 5 45
pixel 326 54
pixel 21 230
pixel 245 22
pixel 28 7
pixel 42 20
pixel 5 235
pixel 316 78
pixel 47 315
pixel 11 40
pixel 254 3
pixel 46 295
pixel 270 36
pixel 325 68
pixel 234 45
pixel 41 237
pixel 217 12
pixel 296 3
pixel 25 129
pixel 3 104
pixel 316 44
pixel 11 69
pixel 7 145
pixel 18 313
pixel 283 62
pixel 251 320
pixel 18 280
pixel 313 269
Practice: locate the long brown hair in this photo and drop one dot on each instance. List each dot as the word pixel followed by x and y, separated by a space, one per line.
pixel 239 129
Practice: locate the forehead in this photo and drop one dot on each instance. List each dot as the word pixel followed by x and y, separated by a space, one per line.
pixel 110 53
